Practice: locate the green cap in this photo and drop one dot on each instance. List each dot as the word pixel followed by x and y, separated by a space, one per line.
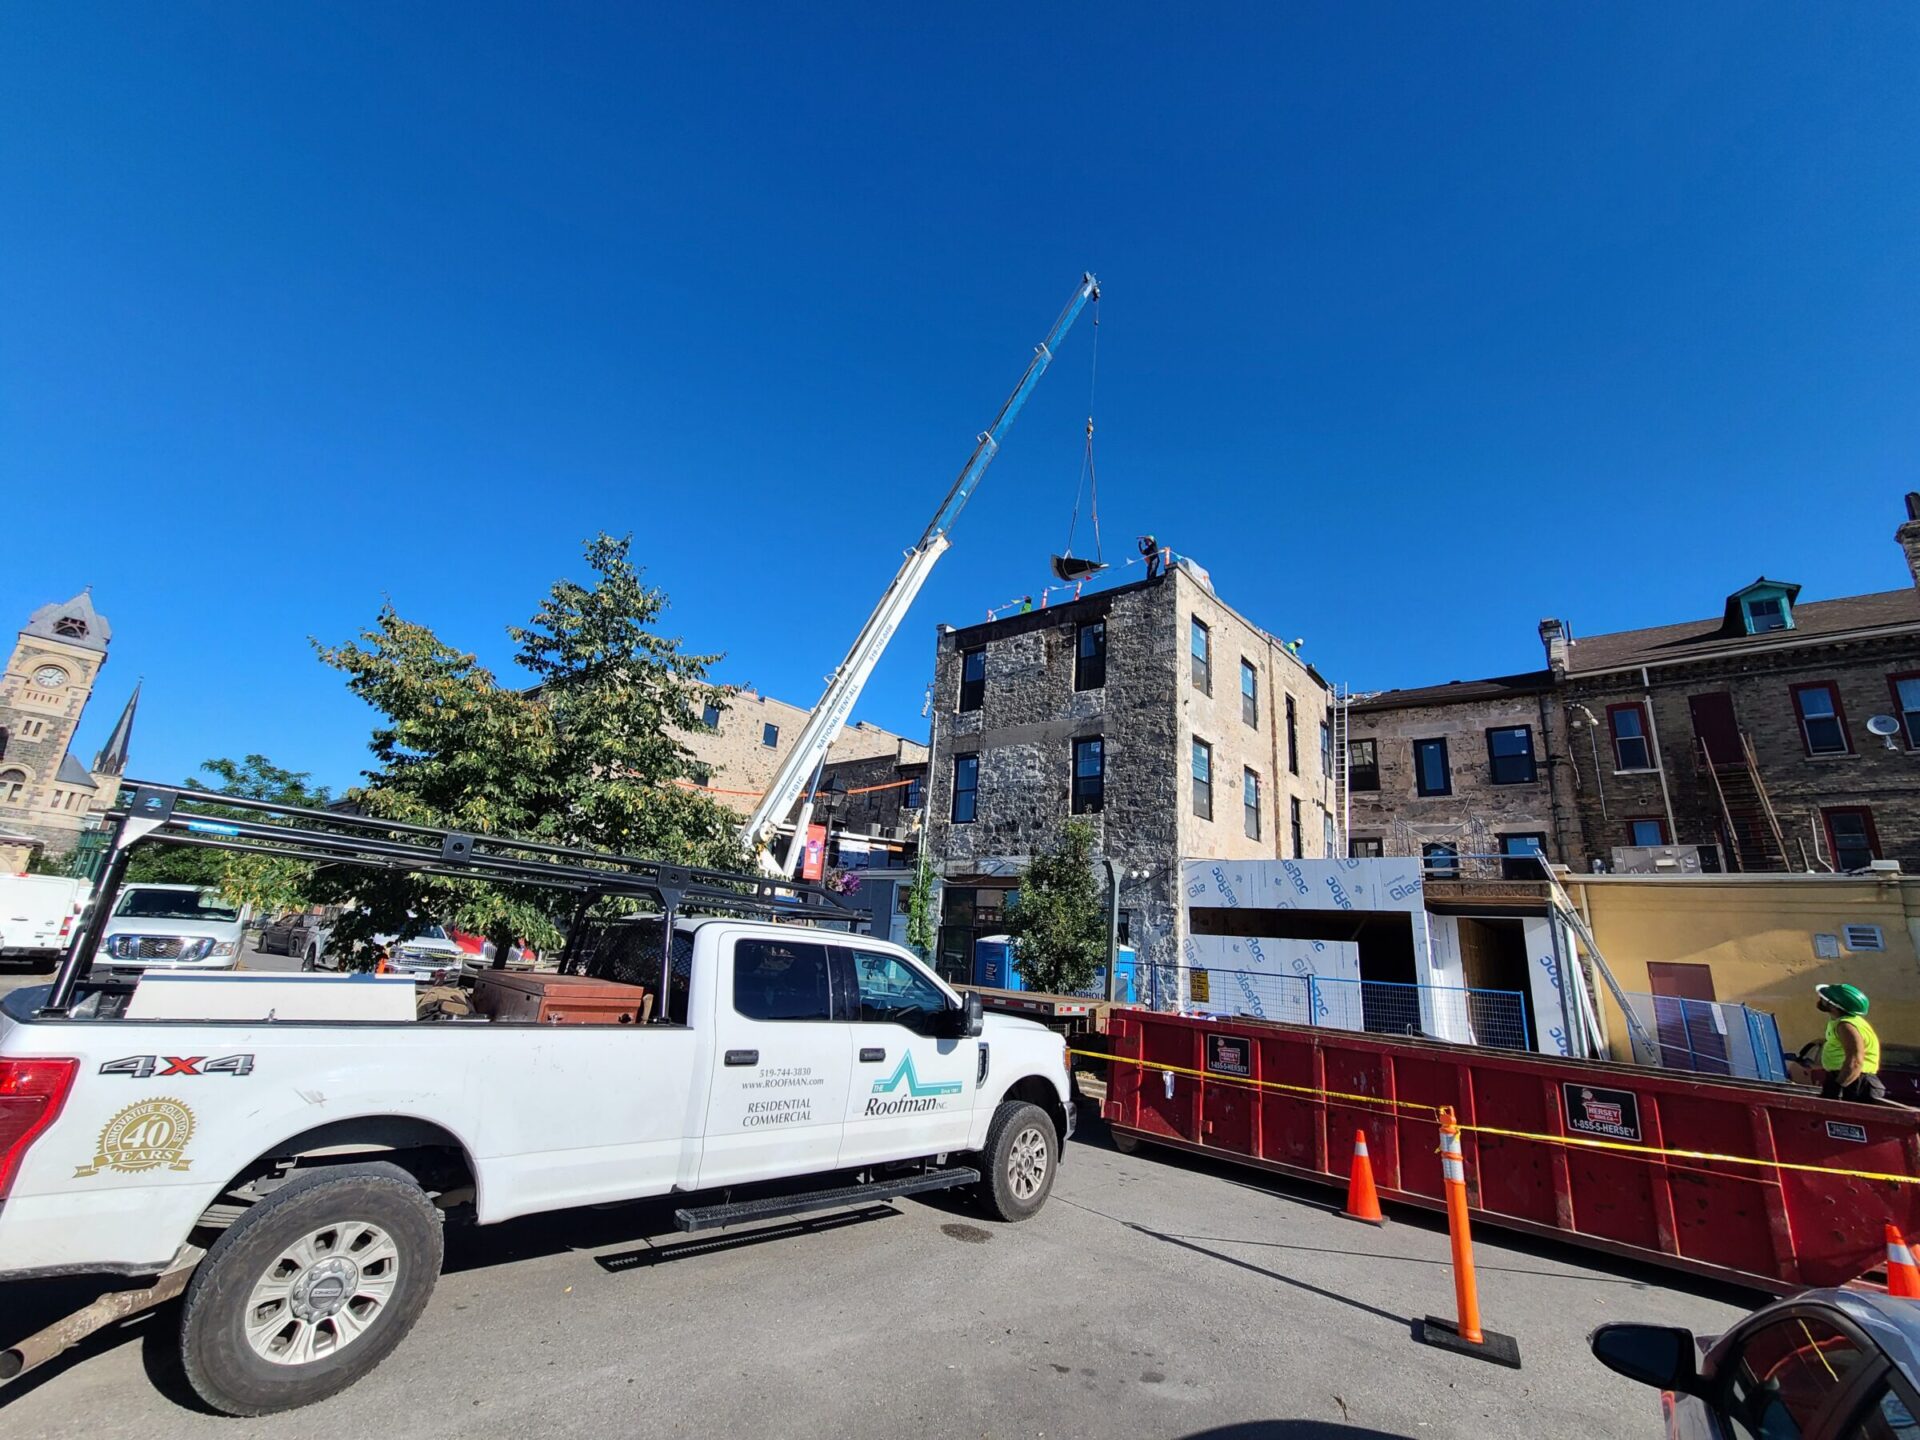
pixel 1847 999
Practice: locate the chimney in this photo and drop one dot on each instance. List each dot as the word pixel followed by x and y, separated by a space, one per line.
pixel 1909 535
pixel 1553 635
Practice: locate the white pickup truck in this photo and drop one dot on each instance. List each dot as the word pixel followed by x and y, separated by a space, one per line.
pixel 290 1176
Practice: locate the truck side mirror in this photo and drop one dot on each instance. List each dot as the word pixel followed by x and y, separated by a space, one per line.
pixel 973 1021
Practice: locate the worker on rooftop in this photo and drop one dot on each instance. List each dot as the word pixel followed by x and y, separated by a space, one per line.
pixel 1850 1055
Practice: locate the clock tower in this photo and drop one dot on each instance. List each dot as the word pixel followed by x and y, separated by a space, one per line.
pixel 46 794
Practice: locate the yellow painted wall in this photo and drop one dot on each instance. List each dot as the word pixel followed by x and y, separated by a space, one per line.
pixel 1756 933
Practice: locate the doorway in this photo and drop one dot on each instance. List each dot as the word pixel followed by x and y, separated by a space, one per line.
pixel 1715 726
pixel 1495 970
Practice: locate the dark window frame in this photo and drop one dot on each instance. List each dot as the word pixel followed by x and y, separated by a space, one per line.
pixel 1532 757
pixel 1366 847
pixel 1090 671
pixel 710 717
pixel 1089 792
pixel 972 791
pixel 1364 777
pixel 1871 833
pixel 1202 786
pixel 1839 717
pixel 1431 851
pixel 768 728
pixel 1446 767
pixel 1250 819
pixel 1293 737
pixel 1510 866
pixel 1645 737
pixel 1202 658
pixel 835 1002
pixel 1899 713
pixel 1249 693
pixel 1296 828
pixel 973 693
pixel 916 788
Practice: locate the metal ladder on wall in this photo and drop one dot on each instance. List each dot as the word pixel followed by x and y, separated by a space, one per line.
pixel 1339 783
pixel 1645 1051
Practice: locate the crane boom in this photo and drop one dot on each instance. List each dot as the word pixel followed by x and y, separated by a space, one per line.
pixel 845 684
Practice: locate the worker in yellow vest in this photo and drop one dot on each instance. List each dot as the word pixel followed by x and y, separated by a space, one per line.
pixel 1850 1054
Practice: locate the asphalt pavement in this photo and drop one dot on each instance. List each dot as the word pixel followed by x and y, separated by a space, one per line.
pixel 1155 1296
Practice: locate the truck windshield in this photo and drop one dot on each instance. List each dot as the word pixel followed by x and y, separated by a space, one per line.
pixel 174 905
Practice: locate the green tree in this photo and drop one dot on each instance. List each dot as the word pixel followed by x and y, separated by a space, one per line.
pixel 1059 933
pixel 584 757
pixel 920 929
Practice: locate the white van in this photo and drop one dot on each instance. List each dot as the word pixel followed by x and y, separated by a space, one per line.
pixel 37 916
pixel 172 927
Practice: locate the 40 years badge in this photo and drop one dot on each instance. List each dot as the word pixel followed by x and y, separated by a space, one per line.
pixel 144 1136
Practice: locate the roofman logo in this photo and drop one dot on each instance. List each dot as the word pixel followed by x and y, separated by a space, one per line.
pixel 921 1095
pixel 144 1136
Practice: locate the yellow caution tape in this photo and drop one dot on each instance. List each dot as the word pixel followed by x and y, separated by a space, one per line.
pixel 1643 1152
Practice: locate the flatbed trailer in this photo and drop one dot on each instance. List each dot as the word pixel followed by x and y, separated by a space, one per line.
pixel 1075 1016
pixel 1758 1184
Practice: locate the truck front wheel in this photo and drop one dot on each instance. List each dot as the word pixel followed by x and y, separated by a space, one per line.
pixel 1021 1154
pixel 310 1289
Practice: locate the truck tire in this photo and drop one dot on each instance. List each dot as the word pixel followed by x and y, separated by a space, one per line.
pixel 310 1289
pixel 1020 1158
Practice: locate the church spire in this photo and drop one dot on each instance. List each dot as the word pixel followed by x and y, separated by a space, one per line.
pixel 112 759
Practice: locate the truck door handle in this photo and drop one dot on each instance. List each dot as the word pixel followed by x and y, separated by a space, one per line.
pixel 743 1057
pixel 872 1054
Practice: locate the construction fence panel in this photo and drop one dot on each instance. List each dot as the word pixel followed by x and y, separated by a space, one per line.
pixel 1710 1037
pixel 1496 1018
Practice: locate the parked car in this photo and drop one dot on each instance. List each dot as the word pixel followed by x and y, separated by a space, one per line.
pixel 37 916
pixel 172 927
pixel 431 948
pixel 303 933
pixel 1822 1365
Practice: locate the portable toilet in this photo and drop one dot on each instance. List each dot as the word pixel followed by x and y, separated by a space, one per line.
pixel 993 966
pixel 1124 966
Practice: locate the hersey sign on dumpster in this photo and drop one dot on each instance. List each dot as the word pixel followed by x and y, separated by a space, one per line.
pixel 1596 1110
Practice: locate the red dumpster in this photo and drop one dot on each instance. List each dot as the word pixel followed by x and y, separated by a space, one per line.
pixel 1288 1098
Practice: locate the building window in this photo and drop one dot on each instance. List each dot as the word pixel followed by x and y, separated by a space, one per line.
pixel 1628 722
pixel 1249 694
pixel 770 736
pixel 702 775
pixel 1520 854
pixel 1201 643
pixel 1293 824
pixel 1441 860
pixel 1767 612
pixel 1089 776
pixel 916 793
pixel 710 717
pixel 1203 779
pixel 1431 773
pixel 3 742
pixel 1327 837
pixel 1364 848
pixel 973 679
pixel 1250 802
pixel 1363 765
pixel 1125 927
pixel 1293 738
pixel 1906 704
pixel 1647 830
pixel 1851 838
pixel 1090 656
pixel 966 786
pixel 1326 748
pixel 1823 724
pixel 1510 755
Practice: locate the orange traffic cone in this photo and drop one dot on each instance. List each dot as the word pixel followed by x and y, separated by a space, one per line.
pixel 1903 1278
pixel 1362 1202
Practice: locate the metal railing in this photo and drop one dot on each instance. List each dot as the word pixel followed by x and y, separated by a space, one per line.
pixel 1709 1037
pixel 1496 1018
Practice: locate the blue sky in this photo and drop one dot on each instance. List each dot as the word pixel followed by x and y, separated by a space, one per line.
pixel 1420 323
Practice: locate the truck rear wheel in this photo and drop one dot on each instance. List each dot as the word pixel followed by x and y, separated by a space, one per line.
pixel 310 1289
pixel 1020 1157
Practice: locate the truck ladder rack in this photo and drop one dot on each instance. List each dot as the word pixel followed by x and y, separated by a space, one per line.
pixel 775 1207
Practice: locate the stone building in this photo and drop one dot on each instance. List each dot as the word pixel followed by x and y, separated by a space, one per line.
pixel 1174 725
pixel 1461 773
pixel 46 796
pixel 1778 734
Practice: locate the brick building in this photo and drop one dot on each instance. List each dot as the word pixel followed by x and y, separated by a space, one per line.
pixel 1739 741
pixel 1174 725
pixel 47 796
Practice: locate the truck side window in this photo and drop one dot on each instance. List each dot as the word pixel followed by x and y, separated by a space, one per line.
pixel 1784 1375
pixel 781 980
pixel 892 990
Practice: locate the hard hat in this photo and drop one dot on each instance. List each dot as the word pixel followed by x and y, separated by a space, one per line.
pixel 1847 999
